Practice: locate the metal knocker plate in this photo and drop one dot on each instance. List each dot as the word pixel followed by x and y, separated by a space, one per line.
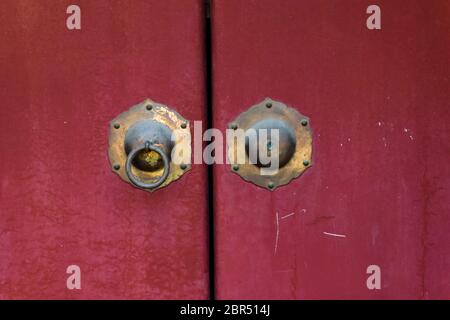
pixel 294 145
pixel 142 142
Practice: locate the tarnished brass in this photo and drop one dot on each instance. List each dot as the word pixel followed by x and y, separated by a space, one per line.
pixel 146 135
pixel 294 146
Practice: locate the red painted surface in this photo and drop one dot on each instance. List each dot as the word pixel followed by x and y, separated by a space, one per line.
pixel 379 108
pixel 60 204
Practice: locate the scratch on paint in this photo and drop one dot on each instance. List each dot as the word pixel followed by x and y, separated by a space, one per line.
pixel 288 215
pixel 284 271
pixel 278 234
pixel 406 130
pixel 335 235
pixel 277 221
pixel 291 214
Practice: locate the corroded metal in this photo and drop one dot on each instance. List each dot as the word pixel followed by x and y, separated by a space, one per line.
pixel 157 160
pixel 294 145
pixel 141 142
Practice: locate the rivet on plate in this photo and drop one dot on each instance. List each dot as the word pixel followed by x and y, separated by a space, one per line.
pixel 184 125
pixel 304 122
pixel 116 166
pixel 149 107
pixel 269 104
pixel 116 125
pixel 270 185
pixel 235 167
pixel 183 166
pixel 305 163
pixel 233 126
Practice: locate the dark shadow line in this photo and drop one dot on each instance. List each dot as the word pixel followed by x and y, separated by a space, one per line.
pixel 209 112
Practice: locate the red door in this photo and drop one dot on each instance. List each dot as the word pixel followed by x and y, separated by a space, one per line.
pixel 368 218
pixel 60 204
pixel 377 193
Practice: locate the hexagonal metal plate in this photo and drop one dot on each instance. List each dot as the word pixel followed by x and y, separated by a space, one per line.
pixel 149 110
pixel 301 159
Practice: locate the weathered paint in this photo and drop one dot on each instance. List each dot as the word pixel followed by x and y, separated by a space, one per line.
pixel 378 192
pixel 60 204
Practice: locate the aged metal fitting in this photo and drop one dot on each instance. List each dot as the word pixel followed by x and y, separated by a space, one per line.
pixel 141 142
pixel 294 143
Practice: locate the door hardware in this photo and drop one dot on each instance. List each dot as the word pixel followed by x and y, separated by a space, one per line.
pixel 294 143
pixel 142 142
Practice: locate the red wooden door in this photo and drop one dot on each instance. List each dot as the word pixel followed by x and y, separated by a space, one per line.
pixel 378 190
pixel 377 193
pixel 60 204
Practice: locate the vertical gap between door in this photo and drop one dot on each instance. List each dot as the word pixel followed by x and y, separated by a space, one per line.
pixel 209 111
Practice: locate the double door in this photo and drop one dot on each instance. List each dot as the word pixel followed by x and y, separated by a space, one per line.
pixel 368 219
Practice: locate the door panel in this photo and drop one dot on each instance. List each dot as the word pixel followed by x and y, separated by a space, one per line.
pixel 378 190
pixel 60 204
